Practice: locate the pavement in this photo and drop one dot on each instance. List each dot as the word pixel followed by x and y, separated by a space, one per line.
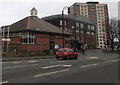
pixel 88 53
pixel 27 58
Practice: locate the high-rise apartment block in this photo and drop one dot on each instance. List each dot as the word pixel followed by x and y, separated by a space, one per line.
pixel 119 10
pixel 98 14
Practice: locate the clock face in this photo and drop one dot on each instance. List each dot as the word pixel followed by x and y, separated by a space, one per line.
pixel 33 12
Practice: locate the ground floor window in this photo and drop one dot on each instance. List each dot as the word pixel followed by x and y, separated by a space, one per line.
pixel 27 38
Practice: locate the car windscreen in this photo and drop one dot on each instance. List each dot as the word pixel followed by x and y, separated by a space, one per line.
pixel 70 50
pixel 61 50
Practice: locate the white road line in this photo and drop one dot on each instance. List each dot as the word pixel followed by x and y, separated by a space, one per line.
pixel 46 67
pixel 94 57
pixel 110 61
pixel 88 65
pixel 19 66
pixel 16 62
pixel 32 61
pixel 114 60
pixel 3 82
pixel 66 65
pixel 51 73
pixel 50 66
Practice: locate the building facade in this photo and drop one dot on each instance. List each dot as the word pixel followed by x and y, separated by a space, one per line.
pixel 81 29
pixel 96 13
pixel 33 35
pixel 119 18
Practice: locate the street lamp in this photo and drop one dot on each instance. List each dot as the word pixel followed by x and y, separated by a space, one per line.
pixel 63 23
pixel 74 37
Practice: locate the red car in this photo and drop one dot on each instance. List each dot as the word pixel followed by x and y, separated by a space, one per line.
pixel 66 53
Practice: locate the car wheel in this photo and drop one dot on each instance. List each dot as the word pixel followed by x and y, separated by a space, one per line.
pixel 57 57
pixel 68 57
pixel 76 57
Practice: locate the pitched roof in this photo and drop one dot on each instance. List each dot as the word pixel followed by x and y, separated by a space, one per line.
pixel 33 23
pixel 75 17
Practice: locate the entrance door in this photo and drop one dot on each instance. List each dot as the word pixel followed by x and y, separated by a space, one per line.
pixel 52 46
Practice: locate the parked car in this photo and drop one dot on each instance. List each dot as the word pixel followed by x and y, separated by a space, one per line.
pixel 66 53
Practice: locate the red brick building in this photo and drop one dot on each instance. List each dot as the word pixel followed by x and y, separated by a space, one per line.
pixel 32 34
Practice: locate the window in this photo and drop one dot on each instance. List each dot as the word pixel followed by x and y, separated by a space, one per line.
pixel 61 50
pixel 92 28
pixel 92 33
pixel 65 22
pixel 77 24
pixel 77 31
pixel 81 31
pixel 81 25
pixel 60 22
pixel 27 38
pixel 70 50
pixel 88 26
pixel 88 32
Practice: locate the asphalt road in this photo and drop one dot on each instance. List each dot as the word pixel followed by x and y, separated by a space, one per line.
pixel 95 67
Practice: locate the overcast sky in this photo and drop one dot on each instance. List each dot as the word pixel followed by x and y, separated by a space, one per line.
pixel 14 10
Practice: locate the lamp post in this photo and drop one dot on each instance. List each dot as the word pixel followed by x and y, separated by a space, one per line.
pixel 63 23
pixel 74 37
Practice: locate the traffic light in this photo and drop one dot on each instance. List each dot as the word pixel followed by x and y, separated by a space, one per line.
pixel 74 39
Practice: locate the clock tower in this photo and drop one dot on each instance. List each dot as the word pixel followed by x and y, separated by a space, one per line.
pixel 33 12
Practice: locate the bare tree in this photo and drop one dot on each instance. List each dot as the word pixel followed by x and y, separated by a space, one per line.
pixel 119 29
pixel 113 31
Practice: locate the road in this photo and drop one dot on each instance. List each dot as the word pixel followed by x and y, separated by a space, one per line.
pixel 95 67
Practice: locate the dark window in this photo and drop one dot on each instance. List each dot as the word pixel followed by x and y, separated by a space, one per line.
pixel 61 50
pixel 27 38
pixel 70 50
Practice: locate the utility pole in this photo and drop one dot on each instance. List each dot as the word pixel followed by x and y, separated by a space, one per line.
pixel 3 35
pixel 8 39
pixel 63 24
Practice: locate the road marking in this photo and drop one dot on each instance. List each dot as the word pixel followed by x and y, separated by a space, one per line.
pixel 51 73
pixel 114 60
pixel 88 65
pixel 111 61
pixel 19 66
pixel 50 66
pixel 32 61
pixel 46 67
pixel 16 62
pixel 3 82
pixel 94 57
pixel 66 65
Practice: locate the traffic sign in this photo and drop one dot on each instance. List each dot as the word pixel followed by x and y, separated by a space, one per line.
pixel 5 39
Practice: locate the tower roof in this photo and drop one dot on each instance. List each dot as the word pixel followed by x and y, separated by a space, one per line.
pixel 33 8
